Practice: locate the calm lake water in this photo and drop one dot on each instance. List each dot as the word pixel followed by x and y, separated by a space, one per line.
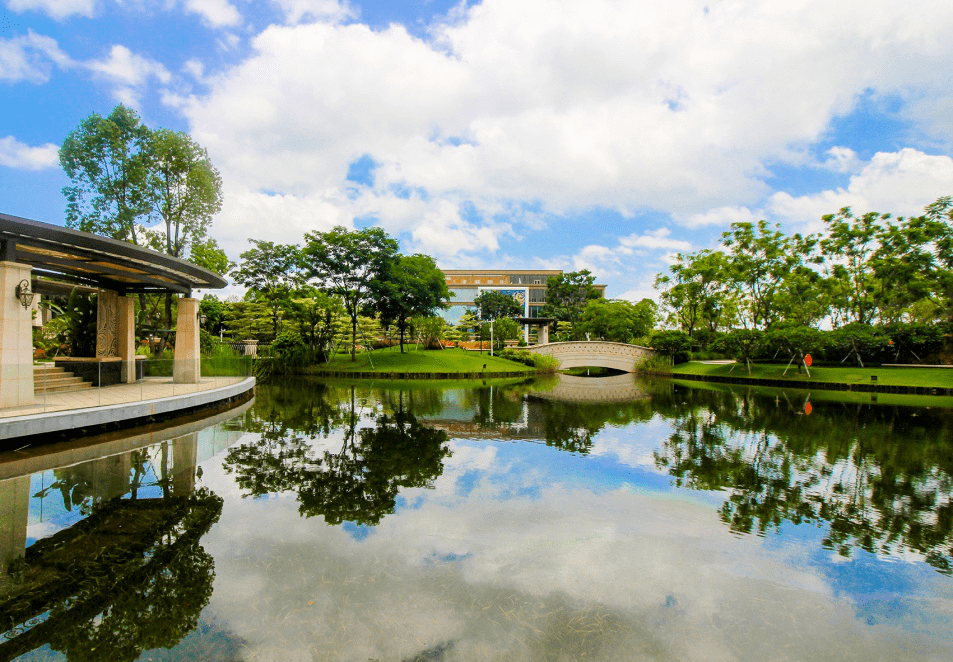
pixel 600 519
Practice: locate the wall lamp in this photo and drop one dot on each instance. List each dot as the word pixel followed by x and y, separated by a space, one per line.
pixel 24 293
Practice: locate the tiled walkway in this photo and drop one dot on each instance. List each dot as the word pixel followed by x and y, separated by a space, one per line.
pixel 149 388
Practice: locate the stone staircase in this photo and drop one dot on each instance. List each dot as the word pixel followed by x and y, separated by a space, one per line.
pixel 47 378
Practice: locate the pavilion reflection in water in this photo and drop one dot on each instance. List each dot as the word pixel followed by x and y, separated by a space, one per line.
pixel 92 536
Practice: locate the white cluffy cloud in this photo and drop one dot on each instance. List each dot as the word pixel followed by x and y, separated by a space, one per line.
pixel 30 57
pixel 14 154
pixel 217 13
pixel 58 9
pixel 128 72
pixel 900 183
pixel 673 107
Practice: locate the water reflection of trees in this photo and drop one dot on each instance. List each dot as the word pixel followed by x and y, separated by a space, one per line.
pixel 565 425
pixel 878 477
pixel 130 577
pixel 358 482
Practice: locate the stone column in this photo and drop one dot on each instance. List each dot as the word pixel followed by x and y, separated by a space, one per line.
pixel 126 336
pixel 542 334
pixel 16 339
pixel 188 360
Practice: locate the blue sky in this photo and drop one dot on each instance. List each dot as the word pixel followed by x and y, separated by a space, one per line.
pixel 603 134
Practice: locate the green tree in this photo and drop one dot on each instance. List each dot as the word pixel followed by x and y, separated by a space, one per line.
pixel 317 314
pixel 271 270
pixel 741 345
pixel 618 320
pixel 213 310
pixel 431 329
pixel 567 295
pixel 345 263
pixel 209 255
pixel 411 287
pixel 694 293
pixel 940 216
pixel 849 245
pixel 500 330
pixel 759 259
pixel 184 191
pixel 795 342
pixel 493 304
pixel 105 158
pixel 676 343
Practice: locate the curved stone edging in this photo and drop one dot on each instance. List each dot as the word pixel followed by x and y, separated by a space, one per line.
pixel 57 422
pixel 818 386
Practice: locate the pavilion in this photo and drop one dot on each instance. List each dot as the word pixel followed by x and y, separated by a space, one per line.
pixel 39 258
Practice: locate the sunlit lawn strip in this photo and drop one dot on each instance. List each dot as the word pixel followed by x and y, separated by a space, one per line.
pixel 926 377
pixel 434 361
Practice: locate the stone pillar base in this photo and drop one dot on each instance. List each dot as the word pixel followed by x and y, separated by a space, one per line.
pixel 187 368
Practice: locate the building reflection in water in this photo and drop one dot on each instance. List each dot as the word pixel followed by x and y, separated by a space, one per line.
pixel 99 543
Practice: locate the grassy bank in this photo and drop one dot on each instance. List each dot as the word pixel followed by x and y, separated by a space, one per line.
pixel 412 361
pixel 917 377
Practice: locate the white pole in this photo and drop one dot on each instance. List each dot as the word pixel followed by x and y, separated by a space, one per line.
pixel 491 336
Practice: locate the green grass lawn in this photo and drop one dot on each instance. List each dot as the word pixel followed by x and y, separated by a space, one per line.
pixel 931 377
pixel 413 360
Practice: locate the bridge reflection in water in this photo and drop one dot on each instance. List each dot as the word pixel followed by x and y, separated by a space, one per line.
pixel 565 411
pixel 90 535
pixel 573 388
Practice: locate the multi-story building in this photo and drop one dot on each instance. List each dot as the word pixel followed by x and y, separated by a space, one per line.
pixel 527 287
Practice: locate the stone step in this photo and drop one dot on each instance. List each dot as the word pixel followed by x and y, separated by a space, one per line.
pixel 47 378
pixel 78 385
pixel 57 380
pixel 43 375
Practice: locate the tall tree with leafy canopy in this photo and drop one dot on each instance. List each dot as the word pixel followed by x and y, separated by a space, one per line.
pixel 567 295
pixel 412 286
pixel 184 191
pixel 694 290
pixel 618 320
pixel 105 159
pixel 760 257
pixel 345 262
pixel 272 270
pixel 849 246
pixel 494 305
pixel 940 216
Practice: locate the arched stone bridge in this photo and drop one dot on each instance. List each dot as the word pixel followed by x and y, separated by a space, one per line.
pixel 580 353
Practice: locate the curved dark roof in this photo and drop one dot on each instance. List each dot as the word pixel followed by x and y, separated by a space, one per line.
pixel 87 259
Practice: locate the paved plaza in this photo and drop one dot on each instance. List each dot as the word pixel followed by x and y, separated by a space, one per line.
pixel 149 388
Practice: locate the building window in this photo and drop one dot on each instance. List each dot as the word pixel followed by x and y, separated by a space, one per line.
pixel 536 282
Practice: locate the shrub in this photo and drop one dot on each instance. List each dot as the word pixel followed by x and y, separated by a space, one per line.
pixel 656 365
pixel 860 341
pixel 541 362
